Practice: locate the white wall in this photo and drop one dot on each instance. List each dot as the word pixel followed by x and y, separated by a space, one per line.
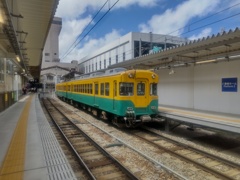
pixel 176 89
pixel 200 87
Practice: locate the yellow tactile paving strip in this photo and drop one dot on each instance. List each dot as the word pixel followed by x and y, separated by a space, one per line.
pixel 200 115
pixel 13 164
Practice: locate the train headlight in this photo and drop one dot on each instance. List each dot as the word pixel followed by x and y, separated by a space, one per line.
pixel 129 108
pixel 130 75
pixel 153 107
pixel 153 76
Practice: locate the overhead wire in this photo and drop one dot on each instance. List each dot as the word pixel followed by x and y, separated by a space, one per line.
pixel 195 22
pixel 163 37
pixel 109 9
pixel 86 27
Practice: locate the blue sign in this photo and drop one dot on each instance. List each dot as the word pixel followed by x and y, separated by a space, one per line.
pixel 229 84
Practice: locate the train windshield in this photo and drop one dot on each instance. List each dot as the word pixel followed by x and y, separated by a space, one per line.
pixel 126 89
pixel 141 89
pixel 153 89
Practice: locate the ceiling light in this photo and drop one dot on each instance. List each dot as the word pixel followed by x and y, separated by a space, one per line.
pixel 2 19
pixel 18 59
pixel 207 61
pixel 171 72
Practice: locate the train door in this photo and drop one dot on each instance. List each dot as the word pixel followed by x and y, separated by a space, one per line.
pixel 142 93
pixel 114 94
pixel 66 90
pixel 96 91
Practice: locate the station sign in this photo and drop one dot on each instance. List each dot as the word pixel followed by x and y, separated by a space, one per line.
pixel 229 84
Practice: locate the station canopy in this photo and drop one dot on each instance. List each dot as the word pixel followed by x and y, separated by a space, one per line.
pixel 223 46
pixel 24 26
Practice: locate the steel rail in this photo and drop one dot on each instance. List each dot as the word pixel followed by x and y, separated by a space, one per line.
pixel 69 143
pixel 207 169
pixel 125 170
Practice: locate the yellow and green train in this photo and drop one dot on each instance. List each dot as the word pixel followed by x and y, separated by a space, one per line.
pixel 123 96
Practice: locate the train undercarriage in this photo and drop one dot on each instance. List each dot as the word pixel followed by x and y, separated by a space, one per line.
pixel 130 120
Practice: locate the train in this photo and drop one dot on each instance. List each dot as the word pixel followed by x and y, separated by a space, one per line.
pixel 125 97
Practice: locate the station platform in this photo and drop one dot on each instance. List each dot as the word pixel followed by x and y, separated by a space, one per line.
pixel 29 149
pixel 207 119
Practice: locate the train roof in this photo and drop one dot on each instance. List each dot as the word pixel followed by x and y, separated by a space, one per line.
pixel 108 72
pixel 102 73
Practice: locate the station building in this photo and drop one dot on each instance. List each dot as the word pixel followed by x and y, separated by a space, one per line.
pixel 129 46
pixel 52 69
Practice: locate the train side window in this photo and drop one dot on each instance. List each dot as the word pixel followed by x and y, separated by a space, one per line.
pixel 87 87
pixel 153 89
pixel 90 88
pixel 126 89
pixel 96 89
pixel 107 89
pixel 140 89
pixel 102 89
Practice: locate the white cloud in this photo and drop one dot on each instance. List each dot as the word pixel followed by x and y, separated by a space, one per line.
pixel 72 12
pixel 204 33
pixel 75 8
pixel 91 45
pixel 173 19
pixel 141 3
pixel 70 30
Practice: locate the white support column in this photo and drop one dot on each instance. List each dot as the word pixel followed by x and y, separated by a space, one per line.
pixel 15 85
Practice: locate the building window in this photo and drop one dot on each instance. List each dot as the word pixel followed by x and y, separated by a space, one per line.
pixel 109 61
pixel 116 58
pixel 100 65
pixel 46 60
pixel 104 63
pixel 96 66
pixel 124 56
pixel 47 54
pixel 92 67
pixel 50 78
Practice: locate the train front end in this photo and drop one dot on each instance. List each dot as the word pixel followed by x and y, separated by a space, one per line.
pixel 138 94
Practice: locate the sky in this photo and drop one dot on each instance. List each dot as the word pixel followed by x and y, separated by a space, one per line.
pixel 91 24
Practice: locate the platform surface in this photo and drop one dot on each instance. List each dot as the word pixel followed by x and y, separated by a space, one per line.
pixel 29 149
pixel 221 121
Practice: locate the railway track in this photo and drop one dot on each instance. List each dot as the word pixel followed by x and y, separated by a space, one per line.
pixel 96 161
pixel 174 156
pixel 219 167
pixel 140 166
